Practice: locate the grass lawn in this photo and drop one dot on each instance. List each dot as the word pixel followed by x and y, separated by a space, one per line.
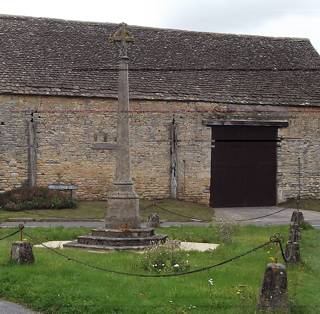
pixel 56 285
pixel 310 204
pixel 96 210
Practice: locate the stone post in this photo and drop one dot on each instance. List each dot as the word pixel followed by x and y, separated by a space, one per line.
pixel 297 217
pixel 21 252
pixel 123 201
pixel 294 232
pixel 153 221
pixel 274 291
pixel 292 252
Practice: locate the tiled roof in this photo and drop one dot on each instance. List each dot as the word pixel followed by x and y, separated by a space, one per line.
pixel 56 57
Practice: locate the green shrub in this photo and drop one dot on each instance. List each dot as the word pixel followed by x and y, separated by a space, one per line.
pixel 27 198
pixel 167 257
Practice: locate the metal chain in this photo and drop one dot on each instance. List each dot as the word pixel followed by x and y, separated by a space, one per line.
pixel 11 234
pixel 277 238
pixel 201 220
pixel 197 270
pixel 181 215
pixel 267 215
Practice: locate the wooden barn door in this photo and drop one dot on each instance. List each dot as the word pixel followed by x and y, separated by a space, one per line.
pixel 243 166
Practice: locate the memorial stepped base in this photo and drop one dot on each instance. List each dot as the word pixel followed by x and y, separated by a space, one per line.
pixel 117 239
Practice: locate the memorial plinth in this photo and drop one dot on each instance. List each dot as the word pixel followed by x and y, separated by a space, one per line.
pixel 122 223
pixel 116 239
pixel 123 207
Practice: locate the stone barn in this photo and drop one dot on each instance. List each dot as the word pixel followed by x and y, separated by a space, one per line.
pixel 219 119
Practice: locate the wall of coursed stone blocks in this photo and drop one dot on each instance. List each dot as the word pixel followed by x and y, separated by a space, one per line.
pixel 67 128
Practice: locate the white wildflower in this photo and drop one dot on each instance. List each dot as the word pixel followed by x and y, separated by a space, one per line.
pixel 191 307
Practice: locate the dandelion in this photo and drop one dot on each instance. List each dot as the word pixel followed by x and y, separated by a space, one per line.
pixel 273 259
pixel 170 301
pixel 176 265
pixel 210 282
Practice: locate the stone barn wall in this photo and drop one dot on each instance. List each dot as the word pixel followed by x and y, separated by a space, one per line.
pixel 68 128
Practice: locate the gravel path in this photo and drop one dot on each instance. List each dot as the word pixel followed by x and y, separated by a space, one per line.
pixel 12 308
pixel 282 217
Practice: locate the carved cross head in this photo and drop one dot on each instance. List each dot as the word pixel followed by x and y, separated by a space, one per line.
pixel 122 38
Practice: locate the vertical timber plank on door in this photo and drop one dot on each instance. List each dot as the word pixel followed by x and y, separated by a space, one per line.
pixel 243 166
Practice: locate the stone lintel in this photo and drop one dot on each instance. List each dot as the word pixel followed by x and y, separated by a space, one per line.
pixel 274 123
pixel 104 146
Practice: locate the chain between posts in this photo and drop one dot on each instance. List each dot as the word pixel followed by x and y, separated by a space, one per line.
pixel 202 220
pixel 272 239
pixel 277 238
pixel 12 233
pixel 263 216
pixel 181 215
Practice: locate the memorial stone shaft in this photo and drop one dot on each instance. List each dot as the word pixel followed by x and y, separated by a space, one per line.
pixel 123 201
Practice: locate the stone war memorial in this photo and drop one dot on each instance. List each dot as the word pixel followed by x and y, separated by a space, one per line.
pixel 123 230
pixel 196 100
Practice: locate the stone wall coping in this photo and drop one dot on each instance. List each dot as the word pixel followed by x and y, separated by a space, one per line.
pixel 277 123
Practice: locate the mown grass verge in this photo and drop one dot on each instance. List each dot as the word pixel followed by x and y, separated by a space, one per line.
pixel 308 204
pixel 96 210
pixel 56 285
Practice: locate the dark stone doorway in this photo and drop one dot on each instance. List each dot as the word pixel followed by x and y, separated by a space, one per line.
pixel 243 166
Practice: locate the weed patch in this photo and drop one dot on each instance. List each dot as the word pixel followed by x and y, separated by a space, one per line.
pixel 167 257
